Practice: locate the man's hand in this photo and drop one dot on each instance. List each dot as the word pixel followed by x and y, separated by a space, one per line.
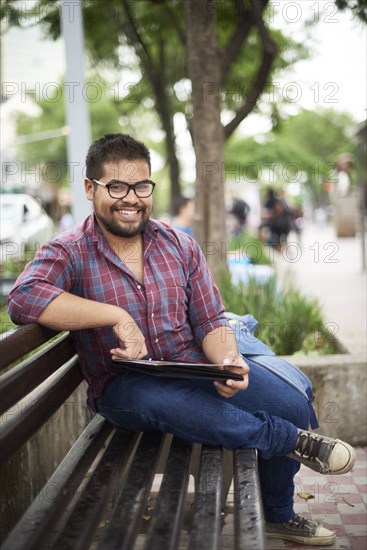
pixel 234 363
pixel 131 340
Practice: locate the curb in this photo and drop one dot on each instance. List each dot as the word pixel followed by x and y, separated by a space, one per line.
pixel 340 387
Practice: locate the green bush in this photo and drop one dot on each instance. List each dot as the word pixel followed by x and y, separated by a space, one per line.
pixel 248 246
pixel 5 322
pixel 11 268
pixel 288 322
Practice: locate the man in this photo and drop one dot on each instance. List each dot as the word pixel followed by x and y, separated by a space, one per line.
pixel 130 287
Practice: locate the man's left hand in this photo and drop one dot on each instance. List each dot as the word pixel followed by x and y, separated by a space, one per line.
pixel 234 363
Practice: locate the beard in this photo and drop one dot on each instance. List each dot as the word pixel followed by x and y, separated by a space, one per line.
pixel 127 230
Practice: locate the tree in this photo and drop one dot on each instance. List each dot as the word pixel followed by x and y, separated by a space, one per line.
pixel 155 30
pixel 204 72
pixel 305 147
pixel 247 56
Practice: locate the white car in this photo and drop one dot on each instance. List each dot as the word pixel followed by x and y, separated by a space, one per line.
pixel 24 226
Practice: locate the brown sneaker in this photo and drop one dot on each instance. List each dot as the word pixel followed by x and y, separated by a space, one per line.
pixel 323 454
pixel 301 530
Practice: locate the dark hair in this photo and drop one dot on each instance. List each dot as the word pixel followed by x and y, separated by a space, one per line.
pixel 112 148
pixel 181 203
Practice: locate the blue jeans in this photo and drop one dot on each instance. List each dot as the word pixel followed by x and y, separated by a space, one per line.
pixel 264 416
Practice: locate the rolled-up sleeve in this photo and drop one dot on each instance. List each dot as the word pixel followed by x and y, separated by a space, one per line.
pixel 45 278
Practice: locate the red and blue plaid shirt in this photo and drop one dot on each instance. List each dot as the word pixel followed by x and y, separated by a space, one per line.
pixel 175 308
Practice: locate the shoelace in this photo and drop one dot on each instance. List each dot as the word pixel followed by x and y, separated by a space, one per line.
pixel 299 521
pixel 309 446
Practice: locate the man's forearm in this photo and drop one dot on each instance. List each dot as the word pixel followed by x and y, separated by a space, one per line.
pixel 69 312
pixel 218 343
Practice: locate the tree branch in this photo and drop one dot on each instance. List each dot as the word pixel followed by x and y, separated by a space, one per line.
pixel 179 29
pixel 138 38
pixel 245 22
pixel 269 53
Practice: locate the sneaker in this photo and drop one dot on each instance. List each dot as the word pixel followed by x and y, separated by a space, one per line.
pixel 301 530
pixel 323 454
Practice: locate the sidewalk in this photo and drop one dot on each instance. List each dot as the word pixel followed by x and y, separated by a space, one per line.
pixel 330 269
pixel 339 502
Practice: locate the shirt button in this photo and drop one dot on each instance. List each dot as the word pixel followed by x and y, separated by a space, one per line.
pixel 156 340
pixel 152 314
pixel 138 286
pixel 162 359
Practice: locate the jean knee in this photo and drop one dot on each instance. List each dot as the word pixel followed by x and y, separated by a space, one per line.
pixel 296 411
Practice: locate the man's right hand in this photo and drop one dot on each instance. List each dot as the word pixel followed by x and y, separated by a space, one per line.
pixel 131 340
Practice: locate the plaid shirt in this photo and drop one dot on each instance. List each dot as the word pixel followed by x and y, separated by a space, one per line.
pixel 175 308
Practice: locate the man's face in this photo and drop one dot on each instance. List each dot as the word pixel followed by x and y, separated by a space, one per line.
pixel 125 217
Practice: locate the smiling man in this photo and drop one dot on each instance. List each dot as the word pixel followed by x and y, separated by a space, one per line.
pixel 127 286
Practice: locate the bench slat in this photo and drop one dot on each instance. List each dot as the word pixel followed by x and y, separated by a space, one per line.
pixel 28 417
pixel 248 513
pixel 22 340
pixel 102 489
pixel 165 526
pixel 22 379
pixel 207 521
pixel 34 528
pixel 130 506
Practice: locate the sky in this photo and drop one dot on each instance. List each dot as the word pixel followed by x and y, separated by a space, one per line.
pixel 334 76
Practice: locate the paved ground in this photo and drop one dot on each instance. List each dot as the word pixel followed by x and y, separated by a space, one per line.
pixel 339 502
pixel 330 269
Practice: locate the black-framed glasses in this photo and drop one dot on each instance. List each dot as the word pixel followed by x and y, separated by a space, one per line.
pixel 120 189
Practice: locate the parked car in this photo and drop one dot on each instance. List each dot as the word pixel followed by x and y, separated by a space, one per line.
pixel 24 226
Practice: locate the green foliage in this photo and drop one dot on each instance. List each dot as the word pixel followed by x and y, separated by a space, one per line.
pixel 289 322
pixel 308 142
pixel 249 246
pixel 147 40
pixel 5 323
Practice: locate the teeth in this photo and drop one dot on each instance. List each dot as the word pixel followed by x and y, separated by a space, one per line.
pixel 128 212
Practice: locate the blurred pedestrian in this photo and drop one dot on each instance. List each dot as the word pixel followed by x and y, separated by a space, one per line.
pixel 276 220
pixel 184 215
pixel 344 166
pixel 239 210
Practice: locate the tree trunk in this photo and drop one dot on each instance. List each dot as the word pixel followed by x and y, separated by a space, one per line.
pixel 165 115
pixel 207 131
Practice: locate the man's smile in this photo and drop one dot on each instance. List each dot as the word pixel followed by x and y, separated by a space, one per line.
pixel 128 214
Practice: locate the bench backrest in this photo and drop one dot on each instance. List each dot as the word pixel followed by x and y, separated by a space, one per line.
pixel 49 376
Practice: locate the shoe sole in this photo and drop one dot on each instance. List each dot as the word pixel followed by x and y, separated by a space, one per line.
pixel 310 541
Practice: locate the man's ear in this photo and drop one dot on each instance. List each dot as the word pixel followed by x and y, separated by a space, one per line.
pixel 89 188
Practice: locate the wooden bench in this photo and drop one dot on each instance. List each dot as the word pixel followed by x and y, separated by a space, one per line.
pixel 98 495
